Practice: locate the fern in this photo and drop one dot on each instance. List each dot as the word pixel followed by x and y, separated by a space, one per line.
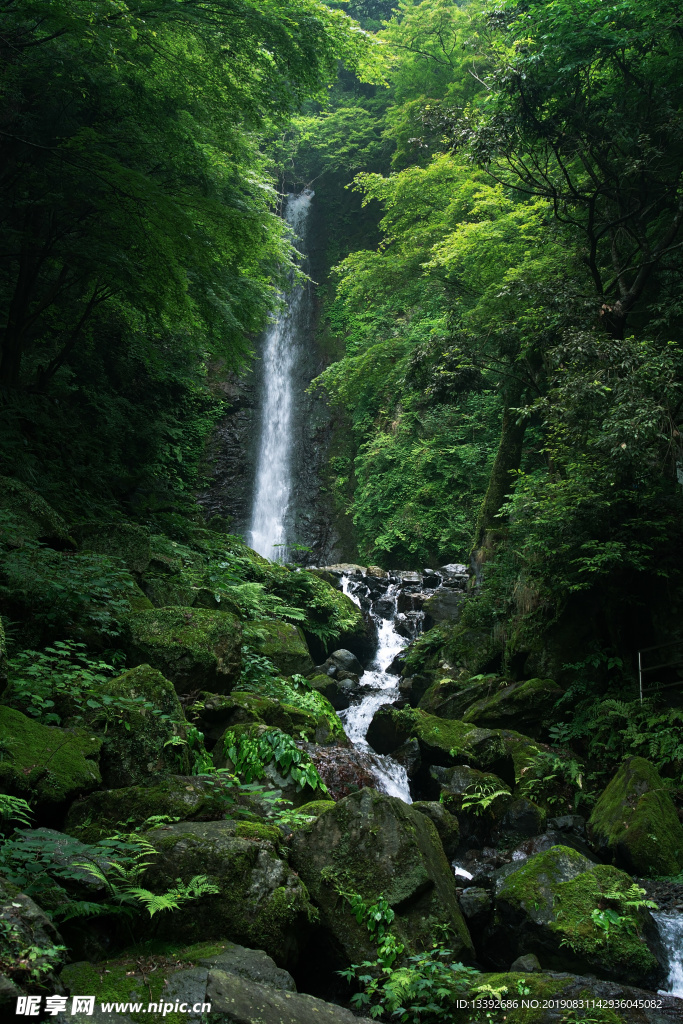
pixel 198 886
pixel 13 808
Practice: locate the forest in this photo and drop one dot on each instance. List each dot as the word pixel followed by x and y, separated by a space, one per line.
pixel 341 511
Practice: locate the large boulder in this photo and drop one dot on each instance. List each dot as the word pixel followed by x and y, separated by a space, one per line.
pixel 445 742
pixel 445 823
pixel 197 649
pixel 30 945
pixel 316 722
pixel 241 985
pixel 344 770
pixel 30 517
pixel 284 644
pixel 376 845
pixel 261 903
pixel 635 823
pixel 185 797
pixel 555 905
pixel 444 605
pixel 525 706
pixel 145 740
pixel 44 764
pixel 126 541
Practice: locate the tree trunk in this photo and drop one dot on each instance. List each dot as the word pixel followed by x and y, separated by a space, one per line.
pixel 508 459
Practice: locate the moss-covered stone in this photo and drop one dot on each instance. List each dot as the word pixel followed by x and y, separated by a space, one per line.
pixel 376 845
pixel 45 764
pixel 524 705
pixel 316 807
pixel 23 927
pixel 284 644
pixel 30 517
pixel 261 902
pixel 547 905
pixel 218 712
pixel 179 797
pixel 127 541
pixel 193 647
pixel 145 740
pixel 450 698
pixel 545 998
pixel 635 821
pixel 446 824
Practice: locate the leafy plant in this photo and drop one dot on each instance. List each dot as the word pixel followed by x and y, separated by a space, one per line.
pixel 250 754
pixel 13 808
pixel 480 796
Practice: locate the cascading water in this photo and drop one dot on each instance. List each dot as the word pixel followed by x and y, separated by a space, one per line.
pixel 670 927
pixel 281 352
pixel 382 688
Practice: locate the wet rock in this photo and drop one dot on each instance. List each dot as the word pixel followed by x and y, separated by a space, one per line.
pixel 475 903
pixel 411 601
pixel 44 764
pixel 339 692
pixel 635 823
pixel 375 844
pixel 344 770
pixel 545 907
pixel 384 607
pixel 261 902
pixel 569 823
pixel 445 823
pixel 346 662
pixel 454 569
pixel 195 648
pixel 397 664
pixel 408 624
pixel 409 757
pixel 521 819
pixel 408 578
pixel 526 964
pixel 444 605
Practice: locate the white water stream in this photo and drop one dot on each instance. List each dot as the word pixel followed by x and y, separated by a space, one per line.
pixel 671 931
pixel 392 778
pixel 281 351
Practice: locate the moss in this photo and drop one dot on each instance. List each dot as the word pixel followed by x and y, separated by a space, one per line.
pixel 540 988
pixel 3 658
pixel 123 540
pixel 185 798
pixel 46 763
pixel 139 744
pixel 284 644
pixel 636 821
pixel 30 516
pixel 449 742
pixel 558 890
pixel 193 647
pixel 258 831
pixel 316 807
pixel 521 749
pixel 528 704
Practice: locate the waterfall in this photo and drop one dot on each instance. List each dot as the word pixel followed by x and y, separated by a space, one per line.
pixel 671 933
pixel 281 352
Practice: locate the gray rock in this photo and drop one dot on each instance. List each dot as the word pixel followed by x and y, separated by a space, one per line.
pixel 376 844
pixel 346 661
pixel 475 902
pixel 444 605
pixel 445 823
pixel 22 925
pixel 569 823
pixel 239 1001
pixel 526 964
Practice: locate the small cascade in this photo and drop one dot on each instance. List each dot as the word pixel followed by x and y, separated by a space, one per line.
pixel 281 354
pixel 394 601
pixel 670 925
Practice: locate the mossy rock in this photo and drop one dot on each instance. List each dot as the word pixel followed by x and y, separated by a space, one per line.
pixel 526 706
pixel 522 750
pixel 377 845
pixel 316 807
pixel 445 823
pixel 635 822
pixel 3 658
pixel 126 541
pixel 30 517
pixel 24 926
pixel 239 708
pixel 195 648
pixel 178 797
pixel 284 644
pixel 450 698
pixel 261 902
pixel 44 764
pixel 546 907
